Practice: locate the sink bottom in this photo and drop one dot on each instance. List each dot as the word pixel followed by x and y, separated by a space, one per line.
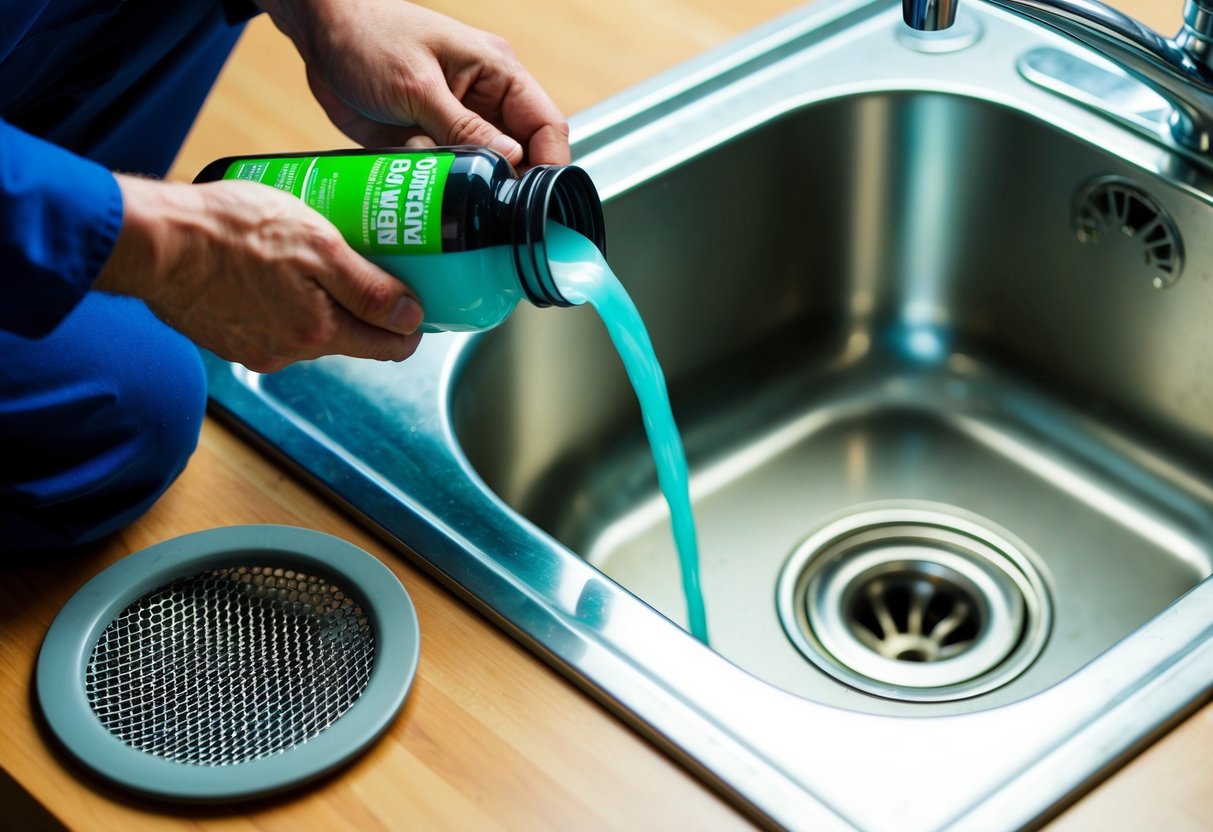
pixel 1104 522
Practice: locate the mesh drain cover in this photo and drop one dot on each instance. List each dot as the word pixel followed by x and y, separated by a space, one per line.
pixel 229 663
pixel 915 602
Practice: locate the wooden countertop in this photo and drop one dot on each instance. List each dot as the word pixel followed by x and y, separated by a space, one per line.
pixel 491 738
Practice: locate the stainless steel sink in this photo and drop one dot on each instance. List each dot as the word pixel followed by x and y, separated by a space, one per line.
pixel 938 341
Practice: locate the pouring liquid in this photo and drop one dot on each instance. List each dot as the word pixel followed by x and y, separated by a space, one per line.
pixel 583 276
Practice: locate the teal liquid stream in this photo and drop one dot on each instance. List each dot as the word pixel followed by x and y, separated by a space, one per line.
pixel 583 276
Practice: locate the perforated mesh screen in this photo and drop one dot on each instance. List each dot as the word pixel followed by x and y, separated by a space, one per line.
pixel 230 665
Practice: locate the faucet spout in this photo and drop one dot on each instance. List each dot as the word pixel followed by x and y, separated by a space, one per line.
pixel 1179 69
pixel 929 15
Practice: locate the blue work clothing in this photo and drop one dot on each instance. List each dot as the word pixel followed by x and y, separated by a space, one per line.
pixel 101 429
pixel 100 402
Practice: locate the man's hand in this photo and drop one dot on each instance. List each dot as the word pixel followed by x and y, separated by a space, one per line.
pixel 255 275
pixel 390 73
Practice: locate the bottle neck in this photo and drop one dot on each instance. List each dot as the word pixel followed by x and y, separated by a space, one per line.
pixel 550 193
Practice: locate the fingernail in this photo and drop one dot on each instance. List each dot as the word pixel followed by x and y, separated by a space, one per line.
pixel 506 146
pixel 406 315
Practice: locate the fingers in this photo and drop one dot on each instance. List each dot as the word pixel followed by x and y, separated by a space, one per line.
pixel 390 67
pixel 527 113
pixel 445 119
pixel 344 335
pixel 530 114
pixel 536 132
pixel 370 294
pixel 549 145
pixel 344 314
pixel 483 96
pixel 359 339
pixel 372 314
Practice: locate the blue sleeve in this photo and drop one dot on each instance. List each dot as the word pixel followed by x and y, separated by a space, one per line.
pixel 59 219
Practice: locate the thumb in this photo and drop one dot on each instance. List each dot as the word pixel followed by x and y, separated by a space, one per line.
pixel 449 122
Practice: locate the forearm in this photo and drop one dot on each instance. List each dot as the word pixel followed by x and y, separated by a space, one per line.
pixel 302 20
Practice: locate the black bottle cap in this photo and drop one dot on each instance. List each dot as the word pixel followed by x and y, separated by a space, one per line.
pixel 552 193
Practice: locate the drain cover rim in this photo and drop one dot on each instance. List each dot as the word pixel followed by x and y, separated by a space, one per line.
pixel 991 647
pixel 59 674
pixel 1020 567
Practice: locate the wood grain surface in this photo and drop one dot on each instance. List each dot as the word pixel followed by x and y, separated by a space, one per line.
pixel 490 738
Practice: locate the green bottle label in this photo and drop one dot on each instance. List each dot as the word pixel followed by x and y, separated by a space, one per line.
pixel 382 204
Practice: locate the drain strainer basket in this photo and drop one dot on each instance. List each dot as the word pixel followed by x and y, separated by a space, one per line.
pixel 915 601
pixel 229 663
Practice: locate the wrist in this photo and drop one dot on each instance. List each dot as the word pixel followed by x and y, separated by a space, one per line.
pixel 149 244
pixel 304 21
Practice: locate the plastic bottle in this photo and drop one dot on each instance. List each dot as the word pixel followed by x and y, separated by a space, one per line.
pixel 457 224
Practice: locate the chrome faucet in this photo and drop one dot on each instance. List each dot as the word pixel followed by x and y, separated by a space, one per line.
pixel 1178 69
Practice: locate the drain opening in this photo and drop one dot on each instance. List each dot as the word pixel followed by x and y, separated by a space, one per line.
pixel 914 603
pixel 914 617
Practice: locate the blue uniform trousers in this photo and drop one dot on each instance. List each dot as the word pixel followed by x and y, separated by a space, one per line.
pixel 100 402
pixel 99 417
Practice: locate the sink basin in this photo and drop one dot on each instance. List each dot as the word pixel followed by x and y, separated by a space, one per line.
pixel 937 340
pixel 876 311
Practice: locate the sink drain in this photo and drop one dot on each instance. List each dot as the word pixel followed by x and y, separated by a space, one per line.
pixel 914 602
